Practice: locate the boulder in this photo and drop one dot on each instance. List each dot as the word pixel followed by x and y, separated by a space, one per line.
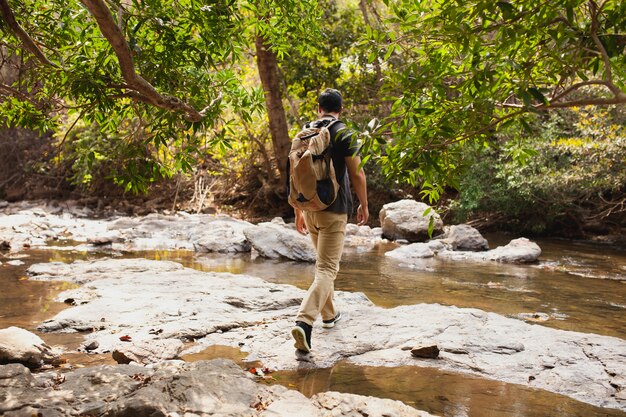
pixel 275 241
pixel 21 346
pixel 405 219
pixel 464 237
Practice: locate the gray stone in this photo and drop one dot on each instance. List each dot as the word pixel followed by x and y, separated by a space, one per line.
pixel 275 241
pixel 464 237
pixel 21 346
pixel 405 219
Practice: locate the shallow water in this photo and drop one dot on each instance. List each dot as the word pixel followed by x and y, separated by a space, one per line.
pixel 563 291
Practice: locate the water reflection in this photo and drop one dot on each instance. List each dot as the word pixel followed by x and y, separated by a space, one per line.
pixel 547 292
pixel 441 393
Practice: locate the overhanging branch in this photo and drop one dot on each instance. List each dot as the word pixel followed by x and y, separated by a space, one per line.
pixel 27 41
pixel 143 90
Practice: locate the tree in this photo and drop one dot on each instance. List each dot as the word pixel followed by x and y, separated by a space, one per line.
pixel 468 69
pixel 171 68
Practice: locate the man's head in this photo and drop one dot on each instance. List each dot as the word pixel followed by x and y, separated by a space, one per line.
pixel 329 101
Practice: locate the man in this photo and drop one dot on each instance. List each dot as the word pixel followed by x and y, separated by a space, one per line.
pixel 328 227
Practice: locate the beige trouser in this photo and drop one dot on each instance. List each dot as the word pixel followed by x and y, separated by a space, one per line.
pixel 327 231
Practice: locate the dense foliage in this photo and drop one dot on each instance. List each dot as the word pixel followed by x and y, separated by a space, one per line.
pixel 457 71
pixel 570 177
pixel 446 94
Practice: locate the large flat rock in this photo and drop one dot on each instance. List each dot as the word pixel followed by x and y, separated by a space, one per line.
pixel 159 300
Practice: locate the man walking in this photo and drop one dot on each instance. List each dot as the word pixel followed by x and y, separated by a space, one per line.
pixel 328 227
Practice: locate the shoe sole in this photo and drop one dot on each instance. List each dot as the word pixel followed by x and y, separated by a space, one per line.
pixel 300 338
pixel 331 324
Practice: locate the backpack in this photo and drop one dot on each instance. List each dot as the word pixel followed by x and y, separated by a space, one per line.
pixel 313 185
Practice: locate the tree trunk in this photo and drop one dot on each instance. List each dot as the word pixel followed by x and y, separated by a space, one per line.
pixel 268 71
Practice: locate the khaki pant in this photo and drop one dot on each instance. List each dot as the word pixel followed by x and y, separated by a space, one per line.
pixel 327 231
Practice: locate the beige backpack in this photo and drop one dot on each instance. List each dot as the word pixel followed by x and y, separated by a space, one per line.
pixel 312 182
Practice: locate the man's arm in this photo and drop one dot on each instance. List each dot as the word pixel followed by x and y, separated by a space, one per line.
pixel 359 183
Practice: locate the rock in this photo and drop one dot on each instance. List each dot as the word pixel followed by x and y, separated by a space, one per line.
pixel 224 236
pixel 414 251
pixel 338 405
pixel 15 262
pixel 362 237
pixel 89 346
pixel 202 388
pixel 21 346
pixel 147 352
pixel 464 237
pixel 405 219
pixel 275 241
pixel 425 351
pixel 153 301
pixel 519 250
pixel 5 246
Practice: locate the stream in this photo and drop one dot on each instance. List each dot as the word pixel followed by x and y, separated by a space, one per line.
pixel 575 286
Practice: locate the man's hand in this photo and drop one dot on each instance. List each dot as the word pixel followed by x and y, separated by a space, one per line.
pixel 362 215
pixel 300 223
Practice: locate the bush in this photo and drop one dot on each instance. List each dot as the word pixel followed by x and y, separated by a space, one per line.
pixel 567 181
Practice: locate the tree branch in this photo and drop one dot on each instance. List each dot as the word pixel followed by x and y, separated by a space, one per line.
pixel 9 91
pixel 27 41
pixel 144 91
pixel 608 72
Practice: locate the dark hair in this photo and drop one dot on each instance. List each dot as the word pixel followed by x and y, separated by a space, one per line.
pixel 330 100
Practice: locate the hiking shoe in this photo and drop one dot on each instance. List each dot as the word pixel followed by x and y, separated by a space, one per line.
pixel 302 335
pixel 330 323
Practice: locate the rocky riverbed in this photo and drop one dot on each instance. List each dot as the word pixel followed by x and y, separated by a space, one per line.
pixel 126 304
pixel 142 311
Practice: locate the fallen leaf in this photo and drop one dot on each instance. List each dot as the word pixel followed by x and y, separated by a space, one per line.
pixel 126 338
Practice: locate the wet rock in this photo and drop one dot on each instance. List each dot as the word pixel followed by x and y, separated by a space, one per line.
pixel 5 246
pixel 464 237
pixel 21 346
pixel 203 388
pixel 336 404
pixel 405 219
pixel 15 262
pixel 425 351
pixel 415 251
pixel 519 250
pixel 275 241
pixel 226 309
pixel 147 352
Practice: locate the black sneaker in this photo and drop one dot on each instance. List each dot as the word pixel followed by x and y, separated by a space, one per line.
pixel 330 323
pixel 302 334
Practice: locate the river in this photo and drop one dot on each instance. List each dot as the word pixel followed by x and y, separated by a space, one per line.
pixel 567 290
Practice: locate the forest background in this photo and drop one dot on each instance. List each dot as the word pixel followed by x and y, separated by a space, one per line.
pixel 508 115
